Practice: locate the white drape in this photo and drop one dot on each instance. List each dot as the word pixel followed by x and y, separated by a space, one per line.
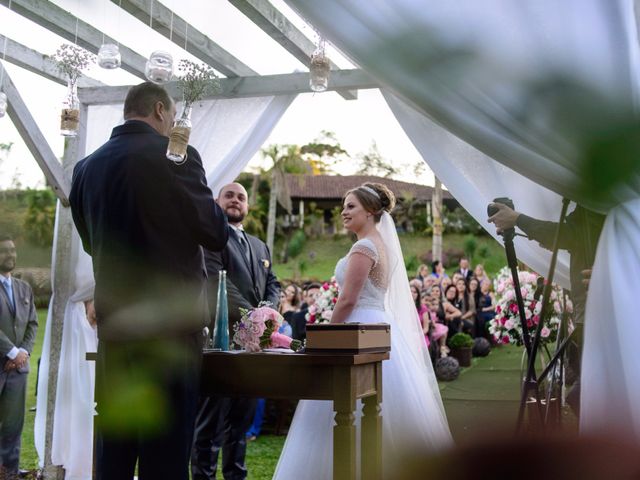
pixel 477 69
pixel 227 133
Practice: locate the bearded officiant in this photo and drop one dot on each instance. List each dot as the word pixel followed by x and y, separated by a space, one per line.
pixel 222 422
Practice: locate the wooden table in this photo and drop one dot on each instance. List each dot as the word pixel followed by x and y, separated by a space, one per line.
pixel 341 378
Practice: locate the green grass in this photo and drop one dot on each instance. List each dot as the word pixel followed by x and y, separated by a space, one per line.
pixel 321 255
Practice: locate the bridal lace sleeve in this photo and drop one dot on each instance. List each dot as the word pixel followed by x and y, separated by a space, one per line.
pixel 366 248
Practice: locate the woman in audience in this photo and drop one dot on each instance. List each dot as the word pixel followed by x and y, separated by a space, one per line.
pixel 467 306
pixel 436 292
pixel 437 271
pixel 445 283
pixel 423 272
pixel 486 308
pixel 452 311
pixel 473 293
pixel 289 304
pixel 428 282
pixel 480 274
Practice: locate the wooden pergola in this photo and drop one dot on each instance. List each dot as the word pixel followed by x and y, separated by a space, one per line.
pixel 240 81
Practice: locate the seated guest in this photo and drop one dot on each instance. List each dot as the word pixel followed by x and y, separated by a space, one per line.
pixel 486 307
pixel 468 306
pixel 417 283
pixel 455 277
pixel 436 292
pixel 289 302
pixel 428 282
pixel 422 273
pixel 445 282
pixel 473 293
pixel 299 320
pixel 437 271
pixel 432 325
pixel 480 274
pixel 452 310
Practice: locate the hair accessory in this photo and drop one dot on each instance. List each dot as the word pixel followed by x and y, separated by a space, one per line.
pixel 370 190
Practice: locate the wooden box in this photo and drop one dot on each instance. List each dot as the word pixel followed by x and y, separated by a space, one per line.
pixel 351 338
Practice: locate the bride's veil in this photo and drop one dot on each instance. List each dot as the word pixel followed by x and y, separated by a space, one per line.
pixel 400 304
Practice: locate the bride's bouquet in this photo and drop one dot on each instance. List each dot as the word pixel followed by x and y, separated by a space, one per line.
pixel 322 310
pixel 506 326
pixel 258 329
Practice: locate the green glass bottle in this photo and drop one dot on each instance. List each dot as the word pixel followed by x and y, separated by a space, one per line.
pixel 221 330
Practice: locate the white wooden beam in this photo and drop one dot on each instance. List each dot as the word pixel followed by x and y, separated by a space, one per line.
pixel 39 63
pixel 63 23
pixel 172 26
pixel 278 27
pixel 265 85
pixel 34 139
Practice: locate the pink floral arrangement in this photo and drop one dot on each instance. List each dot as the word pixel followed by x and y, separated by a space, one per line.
pixel 506 326
pixel 322 310
pixel 258 329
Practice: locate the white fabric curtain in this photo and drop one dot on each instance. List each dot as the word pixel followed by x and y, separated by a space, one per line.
pixel 481 71
pixel 227 133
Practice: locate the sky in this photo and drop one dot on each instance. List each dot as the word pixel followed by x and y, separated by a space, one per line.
pixel 356 123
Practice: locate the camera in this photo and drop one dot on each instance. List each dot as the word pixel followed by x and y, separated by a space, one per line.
pixel 491 211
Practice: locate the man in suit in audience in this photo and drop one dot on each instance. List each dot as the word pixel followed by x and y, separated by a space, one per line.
pixel 144 220
pixel 299 320
pixel 18 327
pixel 222 422
pixel 465 270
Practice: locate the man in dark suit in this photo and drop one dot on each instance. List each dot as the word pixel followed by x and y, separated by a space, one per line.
pixel 465 270
pixel 144 220
pixel 18 327
pixel 222 422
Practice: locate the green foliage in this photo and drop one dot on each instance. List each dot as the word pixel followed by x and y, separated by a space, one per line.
pixel 460 221
pixel 373 163
pixel 197 81
pixel 411 263
pixel 296 244
pixel 40 217
pixel 461 340
pixel 470 246
pixel 483 251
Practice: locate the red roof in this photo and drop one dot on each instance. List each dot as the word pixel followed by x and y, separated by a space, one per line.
pixel 330 187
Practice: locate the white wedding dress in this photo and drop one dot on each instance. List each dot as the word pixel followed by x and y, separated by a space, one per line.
pixel 413 417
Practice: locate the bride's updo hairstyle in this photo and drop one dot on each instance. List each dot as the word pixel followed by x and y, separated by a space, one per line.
pixel 376 198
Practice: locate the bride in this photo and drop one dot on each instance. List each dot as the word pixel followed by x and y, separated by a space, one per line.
pixel 374 289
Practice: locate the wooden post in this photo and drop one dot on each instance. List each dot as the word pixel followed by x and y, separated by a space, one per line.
pixel 344 432
pixel 301 212
pixel 62 290
pixel 371 438
pixel 436 207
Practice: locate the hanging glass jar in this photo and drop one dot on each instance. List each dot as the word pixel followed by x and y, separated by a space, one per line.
pixel 109 56
pixel 159 68
pixel 319 68
pixel 179 137
pixel 70 116
pixel 3 104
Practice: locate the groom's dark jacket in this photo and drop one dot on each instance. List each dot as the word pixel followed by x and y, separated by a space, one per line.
pixel 249 282
pixel 144 220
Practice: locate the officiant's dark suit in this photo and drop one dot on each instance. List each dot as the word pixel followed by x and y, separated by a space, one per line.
pixel 144 221
pixel 222 422
pixel 18 327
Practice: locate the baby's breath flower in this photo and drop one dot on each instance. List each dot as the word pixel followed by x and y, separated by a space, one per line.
pixel 197 81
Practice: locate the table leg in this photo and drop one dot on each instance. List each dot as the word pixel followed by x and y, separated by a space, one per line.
pixel 344 432
pixel 371 457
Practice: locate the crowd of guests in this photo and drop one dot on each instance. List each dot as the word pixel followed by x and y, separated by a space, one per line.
pixel 447 305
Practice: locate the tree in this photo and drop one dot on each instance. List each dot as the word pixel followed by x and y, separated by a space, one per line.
pixel 313 158
pixel 373 163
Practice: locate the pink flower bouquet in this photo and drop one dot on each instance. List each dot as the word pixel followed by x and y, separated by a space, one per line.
pixel 321 311
pixel 258 329
pixel 506 326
